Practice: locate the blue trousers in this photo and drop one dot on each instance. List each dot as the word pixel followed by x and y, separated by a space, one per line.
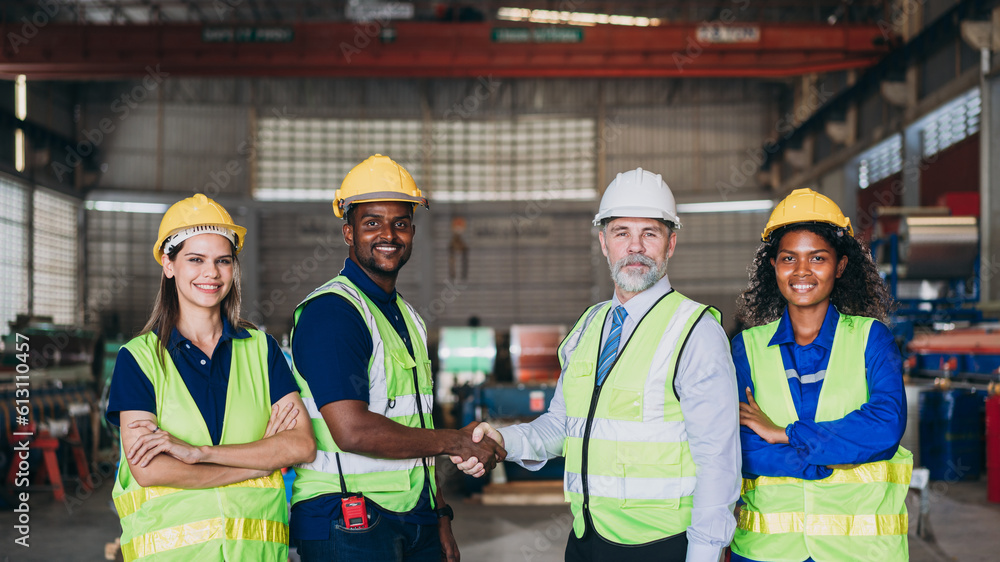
pixel 385 540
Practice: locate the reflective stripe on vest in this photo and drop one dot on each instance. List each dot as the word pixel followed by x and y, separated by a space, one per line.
pixel 129 502
pixel 823 525
pixel 190 534
pixel 640 477
pixel 242 521
pixel 394 484
pixel 789 518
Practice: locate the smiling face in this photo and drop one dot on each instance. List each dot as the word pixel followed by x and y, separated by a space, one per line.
pixel 637 250
pixel 807 267
pixel 380 237
pixel 202 270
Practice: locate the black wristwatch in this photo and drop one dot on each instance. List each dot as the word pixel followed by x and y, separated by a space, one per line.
pixel 446 511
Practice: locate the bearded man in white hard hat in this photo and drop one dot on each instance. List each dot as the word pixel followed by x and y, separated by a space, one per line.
pixel 646 410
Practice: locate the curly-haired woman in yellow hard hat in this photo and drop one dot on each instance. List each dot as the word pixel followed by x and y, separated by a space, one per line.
pixel 208 408
pixel 824 408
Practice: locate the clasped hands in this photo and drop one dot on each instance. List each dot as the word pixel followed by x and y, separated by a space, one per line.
pixel 158 440
pixel 483 454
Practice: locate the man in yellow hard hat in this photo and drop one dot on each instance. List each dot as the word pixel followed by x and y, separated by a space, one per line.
pixel 359 355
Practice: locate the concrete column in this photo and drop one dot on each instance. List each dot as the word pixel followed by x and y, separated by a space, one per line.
pixel 249 217
pixel 911 168
pixel 989 186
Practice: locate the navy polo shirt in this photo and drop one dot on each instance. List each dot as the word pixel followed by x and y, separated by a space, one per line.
pixel 331 350
pixel 206 378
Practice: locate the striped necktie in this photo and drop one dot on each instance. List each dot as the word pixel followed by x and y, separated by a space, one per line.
pixel 610 351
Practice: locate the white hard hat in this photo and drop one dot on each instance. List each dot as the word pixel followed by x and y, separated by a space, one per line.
pixel 638 193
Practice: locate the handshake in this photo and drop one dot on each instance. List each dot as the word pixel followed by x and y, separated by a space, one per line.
pixel 479 449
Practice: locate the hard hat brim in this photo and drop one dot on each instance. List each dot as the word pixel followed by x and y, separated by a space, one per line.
pixel 346 203
pixel 636 212
pixel 240 231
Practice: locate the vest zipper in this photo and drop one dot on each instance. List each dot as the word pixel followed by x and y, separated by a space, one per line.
pixel 585 453
pixel 423 425
pixel 588 521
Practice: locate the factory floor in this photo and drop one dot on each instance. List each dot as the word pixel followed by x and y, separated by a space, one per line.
pixel 963 524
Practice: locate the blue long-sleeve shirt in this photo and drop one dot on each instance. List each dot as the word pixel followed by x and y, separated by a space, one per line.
pixel 868 434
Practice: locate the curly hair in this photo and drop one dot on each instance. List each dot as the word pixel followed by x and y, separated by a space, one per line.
pixel 858 292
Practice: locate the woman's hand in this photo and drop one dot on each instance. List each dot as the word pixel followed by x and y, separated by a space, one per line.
pixel 281 419
pixel 159 441
pixel 753 417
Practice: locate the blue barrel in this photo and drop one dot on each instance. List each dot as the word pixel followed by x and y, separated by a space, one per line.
pixel 951 434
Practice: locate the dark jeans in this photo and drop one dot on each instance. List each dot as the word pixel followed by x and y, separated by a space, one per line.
pixel 385 540
pixel 593 548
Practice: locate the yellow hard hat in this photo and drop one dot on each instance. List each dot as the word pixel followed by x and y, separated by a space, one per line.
pixel 806 205
pixel 187 215
pixel 379 178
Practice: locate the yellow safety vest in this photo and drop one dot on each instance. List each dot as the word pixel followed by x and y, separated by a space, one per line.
pixel 400 388
pixel 243 521
pixel 854 514
pixel 629 470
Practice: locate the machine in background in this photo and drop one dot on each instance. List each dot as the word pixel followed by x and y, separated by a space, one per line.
pixel 930 259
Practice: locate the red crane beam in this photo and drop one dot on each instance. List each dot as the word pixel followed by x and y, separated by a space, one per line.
pixel 415 49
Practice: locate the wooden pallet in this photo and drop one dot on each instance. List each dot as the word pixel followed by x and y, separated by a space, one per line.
pixel 536 492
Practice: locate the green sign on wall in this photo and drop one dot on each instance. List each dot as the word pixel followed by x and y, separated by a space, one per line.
pixel 537 35
pixel 270 34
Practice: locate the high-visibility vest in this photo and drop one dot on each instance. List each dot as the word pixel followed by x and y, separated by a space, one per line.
pixel 247 520
pixel 629 471
pixel 400 387
pixel 853 514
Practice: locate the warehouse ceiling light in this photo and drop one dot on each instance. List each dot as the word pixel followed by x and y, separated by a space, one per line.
pixel 727 206
pixel 521 195
pixel 573 18
pixel 21 111
pixel 126 207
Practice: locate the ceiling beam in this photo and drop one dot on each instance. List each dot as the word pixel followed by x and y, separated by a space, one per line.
pixel 67 51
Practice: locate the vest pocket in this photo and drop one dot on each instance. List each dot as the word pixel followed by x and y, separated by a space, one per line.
pixel 580 369
pixel 425 377
pixel 399 373
pixel 646 471
pixel 624 404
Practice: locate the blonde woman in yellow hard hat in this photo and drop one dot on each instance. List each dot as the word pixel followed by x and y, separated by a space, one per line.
pixel 208 409
pixel 823 409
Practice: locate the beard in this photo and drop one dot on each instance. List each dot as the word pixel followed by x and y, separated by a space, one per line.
pixel 366 259
pixel 637 282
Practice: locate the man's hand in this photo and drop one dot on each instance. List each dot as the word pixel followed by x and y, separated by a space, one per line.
pixel 473 448
pixel 449 547
pixel 753 417
pixel 472 465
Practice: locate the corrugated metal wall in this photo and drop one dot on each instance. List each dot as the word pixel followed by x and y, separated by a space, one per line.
pixel 528 261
